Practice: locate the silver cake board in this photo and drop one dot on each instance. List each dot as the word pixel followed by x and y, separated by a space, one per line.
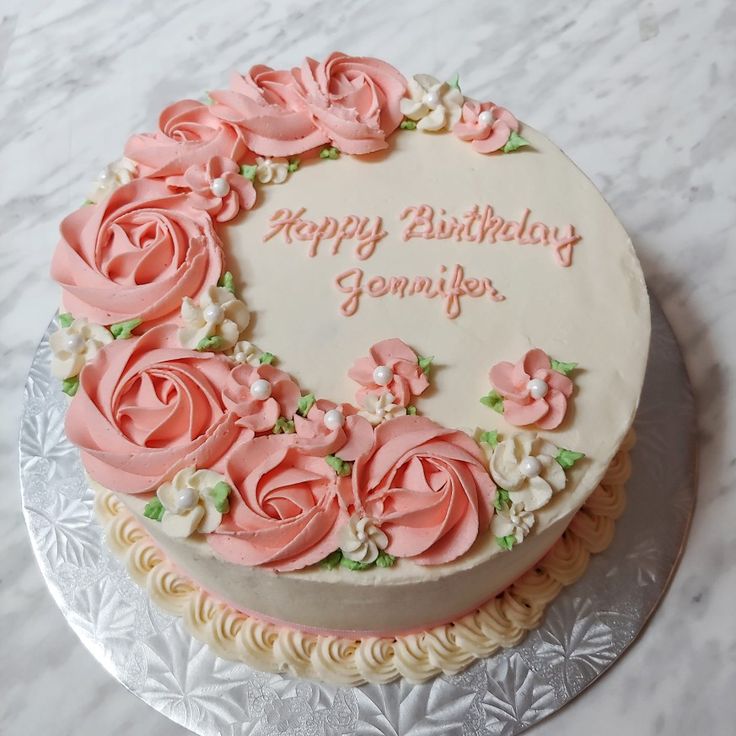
pixel 585 630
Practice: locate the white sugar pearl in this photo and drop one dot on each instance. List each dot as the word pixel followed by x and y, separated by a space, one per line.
pixel 74 343
pixel 383 375
pixel 333 419
pixel 530 467
pixel 219 187
pixel 486 118
pixel 213 314
pixel 105 176
pixel 186 499
pixel 432 98
pixel 240 357
pixel 260 389
pixel 537 388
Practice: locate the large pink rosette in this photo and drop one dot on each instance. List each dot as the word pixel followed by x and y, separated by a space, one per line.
pixel 354 100
pixel 487 137
pixel 136 255
pixel 268 107
pixel 286 508
pixel 408 378
pixel 522 409
pixel 202 182
pixel 347 442
pixel 260 415
pixel 427 487
pixel 147 408
pixel 188 135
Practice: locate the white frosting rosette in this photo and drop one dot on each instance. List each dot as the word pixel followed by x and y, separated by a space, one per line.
pixel 215 323
pixel 271 170
pixel 246 352
pixel 194 500
pixel 114 175
pixel 361 540
pixel 74 345
pixel 379 408
pixel 516 521
pixel 433 104
pixel 525 466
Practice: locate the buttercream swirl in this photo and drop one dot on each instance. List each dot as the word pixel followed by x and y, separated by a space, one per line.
pixel 488 126
pixel 146 408
pixel 348 441
pixel 73 346
pixel 113 176
pixel 215 322
pixel 435 105
pixel 136 255
pixel 379 408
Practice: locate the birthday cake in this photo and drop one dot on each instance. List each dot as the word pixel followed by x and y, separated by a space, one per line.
pixel 352 362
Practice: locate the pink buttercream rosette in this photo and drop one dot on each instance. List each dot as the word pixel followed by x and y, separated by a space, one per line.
pixel 188 135
pixel 348 442
pixel 520 408
pixel 137 254
pixel 260 415
pixel 427 487
pixel 146 408
pixel 485 138
pixel 199 180
pixel 408 378
pixel 286 508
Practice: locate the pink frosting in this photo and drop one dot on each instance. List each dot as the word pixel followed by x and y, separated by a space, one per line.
pixel 286 509
pixel 408 380
pixel 348 442
pixel 428 488
pixel 354 100
pixel 146 408
pixel 485 138
pixel 188 134
pixel 519 407
pixel 136 255
pixel 269 109
pixel 260 415
pixel 198 179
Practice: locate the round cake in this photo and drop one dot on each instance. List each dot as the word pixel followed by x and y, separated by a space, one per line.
pixel 353 349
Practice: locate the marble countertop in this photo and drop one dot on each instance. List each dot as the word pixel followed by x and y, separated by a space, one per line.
pixel 638 92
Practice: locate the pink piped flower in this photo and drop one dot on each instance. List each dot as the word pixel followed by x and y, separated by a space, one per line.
pixel 533 393
pixel 390 366
pixel 486 125
pixel 258 396
pixel 217 187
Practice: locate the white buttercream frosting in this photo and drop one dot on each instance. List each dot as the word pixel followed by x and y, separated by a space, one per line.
pixel 272 170
pixel 433 104
pixel 378 408
pixel 361 539
pixel 515 521
pixel 114 175
pixel 246 352
pixel 218 314
pixel 73 346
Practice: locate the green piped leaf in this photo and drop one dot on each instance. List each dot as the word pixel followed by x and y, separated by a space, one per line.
pixel 506 542
pixel 212 343
pixel 332 560
pixel 425 363
pixel 490 438
pixel 515 142
pixel 353 565
pixel 207 100
pixel 70 386
pixel 154 510
pixel 565 368
pixel 294 165
pixel 249 171
pixel 284 426
pixel 267 358
pixel 341 467
pixel 454 81
pixel 87 202
pixel 305 404
pixel 502 501
pixel 493 400
pixel 408 125
pixel 66 319
pixel 329 152
pixel 124 330
pixel 568 458
pixel 227 282
pixel 385 560
pixel 411 410
pixel 220 493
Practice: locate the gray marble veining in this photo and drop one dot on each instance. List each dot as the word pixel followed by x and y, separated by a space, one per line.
pixel 640 94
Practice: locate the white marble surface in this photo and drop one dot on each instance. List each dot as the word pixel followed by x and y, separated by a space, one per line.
pixel 639 93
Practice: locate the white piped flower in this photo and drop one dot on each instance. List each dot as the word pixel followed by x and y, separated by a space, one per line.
pixel 516 521
pixel 218 315
pixel 246 352
pixel 73 346
pixel 361 540
pixel 193 501
pixel 513 465
pixel 114 175
pixel 271 170
pixel 378 408
pixel 433 104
